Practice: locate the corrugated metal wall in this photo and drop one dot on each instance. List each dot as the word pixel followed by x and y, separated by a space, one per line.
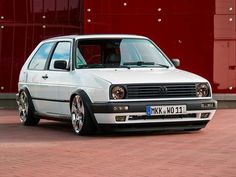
pixel 183 29
pixel 201 33
pixel 224 46
pixel 24 23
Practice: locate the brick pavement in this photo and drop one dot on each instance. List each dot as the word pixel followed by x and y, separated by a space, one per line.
pixel 52 149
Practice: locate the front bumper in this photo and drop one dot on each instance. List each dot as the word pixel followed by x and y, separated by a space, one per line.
pixel 136 116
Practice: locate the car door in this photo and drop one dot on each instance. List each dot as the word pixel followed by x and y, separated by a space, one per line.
pixel 56 85
pixel 34 71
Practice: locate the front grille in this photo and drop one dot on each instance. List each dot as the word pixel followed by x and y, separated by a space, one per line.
pixel 136 91
pixel 176 116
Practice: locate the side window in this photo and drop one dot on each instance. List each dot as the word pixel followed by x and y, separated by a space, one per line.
pixel 62 52
pixel 39 59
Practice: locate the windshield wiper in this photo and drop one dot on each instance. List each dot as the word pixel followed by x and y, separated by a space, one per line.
pixel 139 63
pixel 142 63
pixel 165 66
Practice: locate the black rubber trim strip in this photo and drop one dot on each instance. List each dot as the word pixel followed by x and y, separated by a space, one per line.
pixel 141 106
pixel 44 99
pixel 54 117
pixel 183 125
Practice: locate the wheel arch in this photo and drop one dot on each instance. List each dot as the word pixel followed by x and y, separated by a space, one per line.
pixel 31 118
pixel 26 90
pixel 87 102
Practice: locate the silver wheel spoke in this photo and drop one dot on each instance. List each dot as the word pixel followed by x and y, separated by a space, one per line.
pixel 23 107
pixel 80 123
pixel 73 109
pixel 77 113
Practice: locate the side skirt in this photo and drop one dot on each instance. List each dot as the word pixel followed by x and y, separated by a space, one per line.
pixel 55 117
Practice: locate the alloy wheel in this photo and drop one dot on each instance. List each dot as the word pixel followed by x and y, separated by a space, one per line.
pixel 23 107
pixel 77 113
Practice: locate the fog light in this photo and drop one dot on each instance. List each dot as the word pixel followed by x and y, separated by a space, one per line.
pixel 205 115
pixel 208 105
pixel 120 118
pixel 121 108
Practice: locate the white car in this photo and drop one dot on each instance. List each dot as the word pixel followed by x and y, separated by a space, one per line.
pixel 118 82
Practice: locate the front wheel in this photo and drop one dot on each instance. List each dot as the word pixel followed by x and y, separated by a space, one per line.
pixel 81 120
pixel 26 110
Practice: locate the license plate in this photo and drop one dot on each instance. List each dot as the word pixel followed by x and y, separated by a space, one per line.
pixel 166 110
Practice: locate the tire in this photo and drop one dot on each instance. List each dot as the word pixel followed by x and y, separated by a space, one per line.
pixel 80 116
pixel 26 109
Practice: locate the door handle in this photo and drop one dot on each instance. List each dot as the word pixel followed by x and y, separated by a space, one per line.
pixel 45 76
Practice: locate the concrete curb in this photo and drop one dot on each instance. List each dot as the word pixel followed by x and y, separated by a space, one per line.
pixel 8 101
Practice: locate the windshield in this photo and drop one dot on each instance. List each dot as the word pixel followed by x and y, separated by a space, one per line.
pixel 126 53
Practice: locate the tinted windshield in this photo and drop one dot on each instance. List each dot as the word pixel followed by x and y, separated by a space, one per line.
pixel 119 53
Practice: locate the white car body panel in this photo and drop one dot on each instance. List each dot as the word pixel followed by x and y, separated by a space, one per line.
pixel 145 75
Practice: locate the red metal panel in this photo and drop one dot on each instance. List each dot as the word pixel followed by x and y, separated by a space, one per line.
pixel 6 52
pixel 62 11
pixel 225 66
pixel 50 11
pixel 37 11
pixel 75 12
pixel 29 41
pixel 224 47
pixel 225 26
pixel 23 24
pixel 52 31
pixel 18 54
pixel 6 10
pixel 108 7
pixel 21 14
pixel 225 7
pixel 183 29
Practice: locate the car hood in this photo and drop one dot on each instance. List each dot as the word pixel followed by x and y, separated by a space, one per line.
pixel 145 75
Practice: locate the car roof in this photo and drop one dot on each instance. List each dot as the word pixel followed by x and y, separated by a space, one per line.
pixel 98 36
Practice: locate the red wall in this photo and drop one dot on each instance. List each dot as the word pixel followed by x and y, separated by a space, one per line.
pixel 224 64
pixel 202 33
pixel 24 23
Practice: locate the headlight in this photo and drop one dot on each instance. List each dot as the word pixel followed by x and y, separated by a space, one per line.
pixel 202 90
pixel 118 92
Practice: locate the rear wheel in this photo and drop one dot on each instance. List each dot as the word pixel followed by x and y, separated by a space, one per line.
pixel 81 119
pixel 26 110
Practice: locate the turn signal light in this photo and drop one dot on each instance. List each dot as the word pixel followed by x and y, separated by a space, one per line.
pixel 208 105
pixel 205 115
pixel 120 108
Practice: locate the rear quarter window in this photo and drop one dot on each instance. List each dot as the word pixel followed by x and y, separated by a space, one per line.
pixel 39 59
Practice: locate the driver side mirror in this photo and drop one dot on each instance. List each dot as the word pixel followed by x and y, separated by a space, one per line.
pixel 60 64
pixel 176 62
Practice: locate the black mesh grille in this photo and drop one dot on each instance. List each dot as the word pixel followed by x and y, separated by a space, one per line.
pixel 136 91
pixel 177 116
